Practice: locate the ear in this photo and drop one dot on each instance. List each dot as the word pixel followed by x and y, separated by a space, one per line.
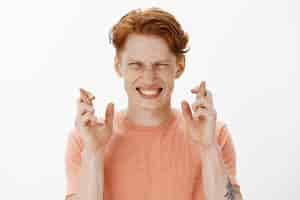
pixel 180 66
pixel 117 65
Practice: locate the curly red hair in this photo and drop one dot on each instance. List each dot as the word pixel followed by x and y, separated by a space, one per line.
pixel 153 21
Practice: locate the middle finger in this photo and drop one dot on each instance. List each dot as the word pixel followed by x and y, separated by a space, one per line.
pixel 84 108
pixel 201 103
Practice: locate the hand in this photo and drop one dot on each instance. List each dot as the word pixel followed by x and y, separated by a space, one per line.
pixel 94 132
pixel 201 124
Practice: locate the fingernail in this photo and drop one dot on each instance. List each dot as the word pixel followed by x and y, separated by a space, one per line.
pixel 182 104
pixel 185 105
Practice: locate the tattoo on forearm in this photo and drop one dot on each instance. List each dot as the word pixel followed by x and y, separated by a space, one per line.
pixel 72 196
pixel 230 191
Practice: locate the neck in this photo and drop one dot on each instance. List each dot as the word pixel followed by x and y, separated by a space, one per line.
pixel 148 117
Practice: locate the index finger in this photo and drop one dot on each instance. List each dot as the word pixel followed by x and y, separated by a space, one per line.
pixel 86 96
pixel 87 93
pixel 203 88
pixel 200 89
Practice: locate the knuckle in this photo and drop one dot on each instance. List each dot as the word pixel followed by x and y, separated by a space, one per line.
pixel 84 121
pixel 194 105
pixel 200 101
pixel 88 114
pixel 83 104
pixel 86 109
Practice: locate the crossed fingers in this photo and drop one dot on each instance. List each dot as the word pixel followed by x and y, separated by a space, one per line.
pixel 204 101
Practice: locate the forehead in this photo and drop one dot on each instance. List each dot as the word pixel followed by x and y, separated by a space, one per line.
pixel 147 48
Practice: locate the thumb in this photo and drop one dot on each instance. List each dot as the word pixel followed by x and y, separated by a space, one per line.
pixel 109 115
pixel 186 111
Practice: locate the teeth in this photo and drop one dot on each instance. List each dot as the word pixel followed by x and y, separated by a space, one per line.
pixel 150 92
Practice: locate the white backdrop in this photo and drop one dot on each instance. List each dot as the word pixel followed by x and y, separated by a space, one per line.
pixel 247 51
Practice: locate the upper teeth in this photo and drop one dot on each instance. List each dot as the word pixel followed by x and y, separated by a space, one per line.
pixel 150 92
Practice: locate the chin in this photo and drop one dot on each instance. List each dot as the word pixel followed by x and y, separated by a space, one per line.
pixel 149 106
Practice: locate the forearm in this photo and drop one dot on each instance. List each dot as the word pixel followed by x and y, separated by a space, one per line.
pixel 216 182
pixel 91 177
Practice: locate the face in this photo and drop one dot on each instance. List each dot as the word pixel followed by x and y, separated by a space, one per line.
pixel 149 69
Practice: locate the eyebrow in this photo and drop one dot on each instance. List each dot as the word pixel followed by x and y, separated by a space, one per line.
pixel 158 61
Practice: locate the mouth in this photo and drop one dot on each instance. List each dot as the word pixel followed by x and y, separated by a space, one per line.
pixel 149 93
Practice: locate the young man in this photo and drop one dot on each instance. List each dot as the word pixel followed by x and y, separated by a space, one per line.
pixel 151 151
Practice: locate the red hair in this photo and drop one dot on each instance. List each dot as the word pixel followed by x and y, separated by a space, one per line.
pixel 153 21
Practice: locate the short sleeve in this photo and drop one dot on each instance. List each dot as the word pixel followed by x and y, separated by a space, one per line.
pixel 73 161
pixel 228 153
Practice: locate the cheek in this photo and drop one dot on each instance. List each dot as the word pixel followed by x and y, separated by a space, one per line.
pixel 168 76
pixel 169 82
pixel 129 81
pixel 170 85
pixel 129 77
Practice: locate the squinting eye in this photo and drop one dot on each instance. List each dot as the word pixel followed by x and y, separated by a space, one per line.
pixel 134 66
pixel 162 66
pixel 130 64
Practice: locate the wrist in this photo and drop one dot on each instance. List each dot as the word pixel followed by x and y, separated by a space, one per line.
pixel 94 147
pixel 209 146
pixel 91 153
pixel 209 149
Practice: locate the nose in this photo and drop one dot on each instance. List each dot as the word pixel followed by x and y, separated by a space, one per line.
pixel 149 75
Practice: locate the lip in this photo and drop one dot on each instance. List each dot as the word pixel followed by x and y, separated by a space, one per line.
pixel 150 87
pixel 149 96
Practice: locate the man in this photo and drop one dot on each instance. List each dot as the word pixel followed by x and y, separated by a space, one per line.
pixel 150 151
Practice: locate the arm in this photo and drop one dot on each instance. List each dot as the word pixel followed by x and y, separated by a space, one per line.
pixel 216 181
pixel 84 172
pixel 91 177
pixel 218 177
pixel 219 168
pixel 85 150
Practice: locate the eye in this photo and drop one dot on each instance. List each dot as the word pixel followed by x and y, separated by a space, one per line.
pixel 134 65
pixel 162 66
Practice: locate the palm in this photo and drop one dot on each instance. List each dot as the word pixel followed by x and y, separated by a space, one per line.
pixel 100 133
pixel 95 132
pixel 201 124
pixel 200 130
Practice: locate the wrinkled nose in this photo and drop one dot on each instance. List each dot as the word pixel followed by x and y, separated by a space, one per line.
pixel 149 75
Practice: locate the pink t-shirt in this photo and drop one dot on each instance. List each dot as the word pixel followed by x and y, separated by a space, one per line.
pixel 150 163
